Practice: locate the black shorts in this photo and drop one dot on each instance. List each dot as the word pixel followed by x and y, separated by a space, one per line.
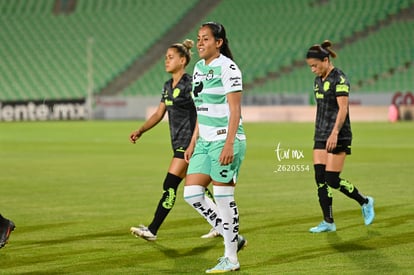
pixel 342 146
pixel 179 153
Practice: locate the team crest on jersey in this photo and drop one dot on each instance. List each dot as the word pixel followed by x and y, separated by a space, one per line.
pixel 326 86
pixel 210 75
pixel 176 92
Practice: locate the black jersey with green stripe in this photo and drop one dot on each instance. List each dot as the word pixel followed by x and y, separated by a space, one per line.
pixel 182 114
pixel 326 91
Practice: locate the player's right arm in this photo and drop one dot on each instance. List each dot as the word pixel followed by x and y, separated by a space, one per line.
pixel 153 120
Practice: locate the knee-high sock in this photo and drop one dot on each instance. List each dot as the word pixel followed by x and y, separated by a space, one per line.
pixel 224 197
pixel 194 195
pixel 347 188
pixel 324 193
pixel 166 202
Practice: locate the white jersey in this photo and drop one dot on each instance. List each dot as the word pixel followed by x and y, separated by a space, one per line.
pixel 211 84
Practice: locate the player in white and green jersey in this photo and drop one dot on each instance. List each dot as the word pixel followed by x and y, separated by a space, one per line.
pixel 218 145
pixel 211 84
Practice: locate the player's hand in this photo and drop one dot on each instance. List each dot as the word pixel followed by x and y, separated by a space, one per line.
pixel 331 142
pixel 134 136
pixel 227 154
pixel 188 153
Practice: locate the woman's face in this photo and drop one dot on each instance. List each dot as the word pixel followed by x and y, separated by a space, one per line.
pixel 207 46
pixel 318 67
pixel 173 61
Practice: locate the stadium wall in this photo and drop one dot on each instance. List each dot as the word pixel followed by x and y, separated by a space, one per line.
pixel 301 113
pixel 291 108
pixel 307 113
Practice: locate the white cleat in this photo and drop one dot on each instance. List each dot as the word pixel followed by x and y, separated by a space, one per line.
pixel 143 232
pixel 211 234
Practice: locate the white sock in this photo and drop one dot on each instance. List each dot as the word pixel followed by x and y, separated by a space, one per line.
pixel 194 195
pixel 224 197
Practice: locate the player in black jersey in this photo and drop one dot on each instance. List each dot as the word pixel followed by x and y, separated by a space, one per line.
pixel 6 228
pixel 333 135
pixel 177 101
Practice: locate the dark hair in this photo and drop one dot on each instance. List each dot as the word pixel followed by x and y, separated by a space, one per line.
pixel 321 51
pixel 184 49
pixel 220 33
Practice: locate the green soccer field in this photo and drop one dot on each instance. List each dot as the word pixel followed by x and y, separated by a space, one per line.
pixel 75 188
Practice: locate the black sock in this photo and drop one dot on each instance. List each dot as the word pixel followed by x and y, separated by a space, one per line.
pixel 324 193
pixel 325 201
pixel 351 191
pixel 166 202
pixel 347 188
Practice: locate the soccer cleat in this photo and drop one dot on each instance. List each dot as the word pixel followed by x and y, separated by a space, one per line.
pixel 211 234
pixel 5 231
pixel 223 266
pixel 323 227
pixel 368 211
pixel 241 243
pixel 143 232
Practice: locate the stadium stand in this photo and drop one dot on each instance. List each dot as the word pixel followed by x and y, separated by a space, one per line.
pixel 268 36
pixel 45 56
pixel 380 52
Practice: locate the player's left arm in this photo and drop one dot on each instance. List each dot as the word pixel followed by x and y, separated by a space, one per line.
pixel 232 82
pixel 234 101
pixel 339 122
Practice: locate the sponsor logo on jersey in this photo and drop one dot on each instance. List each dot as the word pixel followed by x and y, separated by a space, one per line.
pixel 202 109
pixel 221 132
pixel 236 81
pixel 319 95
pixel 198 75
pixel 342 88
pixel 236 84
pixel 198 87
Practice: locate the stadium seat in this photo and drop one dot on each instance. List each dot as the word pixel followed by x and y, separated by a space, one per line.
pixel 46 56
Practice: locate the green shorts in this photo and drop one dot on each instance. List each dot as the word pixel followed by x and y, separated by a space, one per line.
pixel 205 160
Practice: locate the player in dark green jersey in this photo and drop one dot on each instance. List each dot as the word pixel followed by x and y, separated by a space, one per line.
pixel 332 136
pixel 177 101
pixel 6 228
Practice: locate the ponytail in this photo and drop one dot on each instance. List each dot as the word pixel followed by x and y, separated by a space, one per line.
pixel 220 33
pixel 184 49
pixel 321 51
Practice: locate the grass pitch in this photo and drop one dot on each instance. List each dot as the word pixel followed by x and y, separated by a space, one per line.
pixel 74 189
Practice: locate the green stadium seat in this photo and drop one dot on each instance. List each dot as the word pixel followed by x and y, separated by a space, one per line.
pixel 58 44
pixel 45 56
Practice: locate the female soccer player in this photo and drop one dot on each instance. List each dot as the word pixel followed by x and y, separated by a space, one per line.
pixel 332 136
pixel 177 101
pixel 6 228
pixel 218 145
